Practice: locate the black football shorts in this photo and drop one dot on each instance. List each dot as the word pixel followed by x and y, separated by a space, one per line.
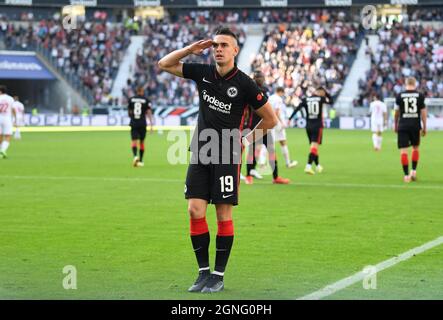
pixel 138 132
pixel 408 137
pixel 315 134
pixel 215 183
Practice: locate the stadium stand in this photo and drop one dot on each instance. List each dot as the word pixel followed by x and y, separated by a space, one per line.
pixel 91 52
pixel 400 53
pixel 163 88
pixel 317 51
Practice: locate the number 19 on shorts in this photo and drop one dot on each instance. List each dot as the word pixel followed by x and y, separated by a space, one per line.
pixel 227 184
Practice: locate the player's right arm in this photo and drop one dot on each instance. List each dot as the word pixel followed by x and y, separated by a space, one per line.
pixel 297 109
pixel 172 63
pixel 129 109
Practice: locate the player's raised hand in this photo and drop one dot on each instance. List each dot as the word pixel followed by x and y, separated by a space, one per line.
pixel 198 47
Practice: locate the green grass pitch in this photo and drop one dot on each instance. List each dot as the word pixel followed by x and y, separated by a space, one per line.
pixel 74 199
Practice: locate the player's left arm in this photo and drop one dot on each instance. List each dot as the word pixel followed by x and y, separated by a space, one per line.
pixel 301 105
pixel 150 118
pixel 268 121
pixel 278 112
pixel 424 119
pixel 397 113
pixel 14 116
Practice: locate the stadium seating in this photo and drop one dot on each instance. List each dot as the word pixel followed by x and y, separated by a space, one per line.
pixel 165 89
pixel 401 53
pixel 318 51
pixel 92 52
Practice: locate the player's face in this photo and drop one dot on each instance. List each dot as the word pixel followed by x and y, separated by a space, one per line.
pixel 225 49
pixel 259 80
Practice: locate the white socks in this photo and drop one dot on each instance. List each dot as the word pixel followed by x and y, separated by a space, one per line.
pixel 17 134
pixel 376 140
pixel 262 157
pixel 5 146
pixel 285 151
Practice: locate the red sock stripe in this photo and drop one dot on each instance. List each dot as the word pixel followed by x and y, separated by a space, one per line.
pixel 142 146
pixel 225 228
pixel 199 226
pixel 415 155
pixel 314 151
pixel 404 159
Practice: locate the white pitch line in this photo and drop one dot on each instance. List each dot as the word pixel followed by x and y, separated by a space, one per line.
pixel 359 276
pixel 305 184
pixel 135 179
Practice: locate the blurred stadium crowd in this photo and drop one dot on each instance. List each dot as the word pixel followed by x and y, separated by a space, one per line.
pixel 301 49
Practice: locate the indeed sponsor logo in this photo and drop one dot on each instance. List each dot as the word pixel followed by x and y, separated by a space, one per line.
pixel 216 104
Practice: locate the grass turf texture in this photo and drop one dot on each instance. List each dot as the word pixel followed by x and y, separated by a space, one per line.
pixel 74 199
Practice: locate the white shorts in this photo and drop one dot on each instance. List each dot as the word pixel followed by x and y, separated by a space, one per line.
pixel 5 126
pixel 279 135
pixel 377 126
pixel 20 121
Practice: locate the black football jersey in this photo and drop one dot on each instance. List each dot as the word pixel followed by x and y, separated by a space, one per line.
pixel 223 104
pixel 313 107
pixel 138 106
pixel 410 103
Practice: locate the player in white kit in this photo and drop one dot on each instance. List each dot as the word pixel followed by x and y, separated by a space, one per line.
pixel 19 109
pixel 6 115
pixel 379 120
pixel 279 132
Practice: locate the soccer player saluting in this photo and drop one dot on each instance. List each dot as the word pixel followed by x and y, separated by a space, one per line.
pixel 139 107
pixel 224 93
pixel 6 115
pixel 410 112
pixel 19 109
pixel 313 106
pixel 379 120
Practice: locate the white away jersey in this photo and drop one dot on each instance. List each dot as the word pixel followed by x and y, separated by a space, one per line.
pixel 377 108
pixel 19 109
pixel 278 105
pixel 6 102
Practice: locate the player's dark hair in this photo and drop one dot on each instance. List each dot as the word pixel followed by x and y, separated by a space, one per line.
pixel 140 89
pixel 226 32
pixel 258 74
pixel 280 89
pixel 3 88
